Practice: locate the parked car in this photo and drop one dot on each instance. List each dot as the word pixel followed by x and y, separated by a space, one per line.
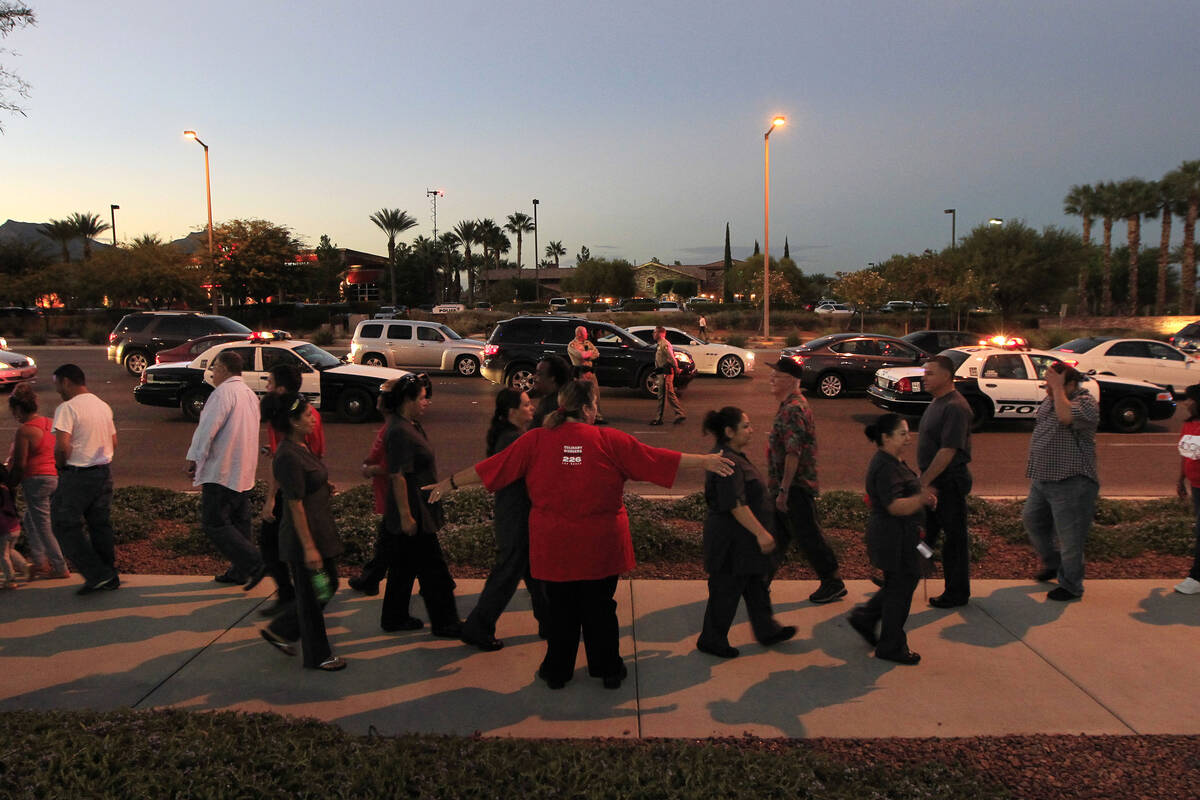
pixel 1143 359
pixel 140 335
pixel 834 309
pixel 844 362
pixel 937 341
pixel 637 304
pixel 3 343
pixel 670 306
pixel 483 306
pixel 391 312
pixel 429 346
pixel 1009 384
pixel 1187 338
pixel 190 349
pixel 558 304
pixel 16 368
pixel 330 385
pixel 711 358
pixel 893 306
pixel 516 345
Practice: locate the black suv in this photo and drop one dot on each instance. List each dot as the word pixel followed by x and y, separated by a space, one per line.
pixel 140 335
pixel 1187 338
pixel 516 345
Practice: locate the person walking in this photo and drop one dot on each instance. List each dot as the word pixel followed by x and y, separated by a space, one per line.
pixel 31 467
pixel 308 537
pixel 374 468
pixel 85 441
pixel 1064 482
pixel 665 368
pixel 222 460
pixel 579 541
pixel 703 329
pixel 897 502
pixel 12 563
pixel 792 476
pixel 413 518
pixel 583 354
pixel 737 541
pixel 943 453
pixel 551 375
pixel 1189 479
pixel 282 379
pixel 511 418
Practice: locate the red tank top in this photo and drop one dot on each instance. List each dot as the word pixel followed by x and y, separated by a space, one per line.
pixel 41 455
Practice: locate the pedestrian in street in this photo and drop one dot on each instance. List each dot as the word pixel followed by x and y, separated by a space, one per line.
pixel 1189 479
pixel 1064 482
pixel 85 441
pixel 737 541
pixel 579 541
pixel 374 469
pixel 583 354
pixel 222 460
pixel 282 379
pixel 665 368
pixel 551 375
pixel 703 329
pixel 413 519
pixel 943 453
pixel 308 537
pixel 897 502
pixel 792 476
pixel 31 467
pixel 511 418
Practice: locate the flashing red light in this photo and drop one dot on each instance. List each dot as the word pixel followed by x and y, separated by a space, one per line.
pixel 905 385
pixel 261 336
pixel 112 338
pixel 491 349
pixel 1071 363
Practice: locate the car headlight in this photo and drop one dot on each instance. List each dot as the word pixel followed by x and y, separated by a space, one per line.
pixel 749 355
pixel 32 363
pixel 683 357
pixel 5 366
pixel 3 343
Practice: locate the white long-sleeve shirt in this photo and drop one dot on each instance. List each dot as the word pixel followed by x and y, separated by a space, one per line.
pixel 225 444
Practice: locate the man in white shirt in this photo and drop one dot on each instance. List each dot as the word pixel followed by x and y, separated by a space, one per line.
pixel 222 460
pixel 85 439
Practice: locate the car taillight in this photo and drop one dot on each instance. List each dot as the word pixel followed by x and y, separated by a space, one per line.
pixel 1164 396
pixel 1070 363
pixel 143 377
pixel 112 338
pixel 798 359
pixel 904 385
pixel 491 349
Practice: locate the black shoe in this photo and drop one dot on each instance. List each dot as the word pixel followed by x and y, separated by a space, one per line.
pixel 106 585
pixel 361 584
pixel 406 624
pixel 827 592
pixel 228 577
pixel 865 628
pixel 656 422
pixel 552 684
pixel 614 681
pixel 279 643
pixel 255 578
pixel 274 609
pixel 1046 575
pixel 1062 595
pixel 332 664
pixel 782 635
pixel 680 420
pixel 488 644
pixel 945 601
pixel 720 650
pixel 908 657
pixel 451 631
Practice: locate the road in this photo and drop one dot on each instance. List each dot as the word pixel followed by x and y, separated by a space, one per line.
pixel 152 441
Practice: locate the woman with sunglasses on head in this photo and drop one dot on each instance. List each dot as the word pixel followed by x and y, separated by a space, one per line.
pixel 308 538
pixel 579 540
pixel 412 519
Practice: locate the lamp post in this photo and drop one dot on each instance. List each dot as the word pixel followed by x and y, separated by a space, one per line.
pixel 537 290
pixel 953 218
pixel 775 123
pixel 212 261
pixel 112 209
pixel 995 221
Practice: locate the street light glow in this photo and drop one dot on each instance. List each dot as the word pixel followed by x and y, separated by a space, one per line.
pixel 778 121
pixel 190 134
pixel 995 221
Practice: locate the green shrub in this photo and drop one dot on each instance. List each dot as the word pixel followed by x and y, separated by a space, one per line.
pixel 843 509
pixel 735 340
pixel 473 544
pixel 654 540
pixel 190 541
pixel 692 507
pixel 95 334
pixel 38 338
pixel 130 526
pixel 468 506
pixel 322 337
pixel 154 503
pixel 793 340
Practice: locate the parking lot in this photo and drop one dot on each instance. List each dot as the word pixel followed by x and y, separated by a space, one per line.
pixel 152 441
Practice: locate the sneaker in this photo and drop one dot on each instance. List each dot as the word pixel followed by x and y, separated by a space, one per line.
pixel 332 664
pixel 1188 585
pixel 1062 595
pixel 828 591
pixel 106 585
pixel 782 635
pixel 278 642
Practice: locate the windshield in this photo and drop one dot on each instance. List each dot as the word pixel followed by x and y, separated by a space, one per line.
pixel 957 356
pixel 1079 345
pixel 449 333
pixel 316 356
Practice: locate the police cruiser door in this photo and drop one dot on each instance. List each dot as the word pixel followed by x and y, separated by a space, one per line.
pixel 1011 382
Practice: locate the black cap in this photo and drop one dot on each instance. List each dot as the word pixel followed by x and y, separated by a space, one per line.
pixel 788 365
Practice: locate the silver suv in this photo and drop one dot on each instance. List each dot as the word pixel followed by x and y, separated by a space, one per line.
pixel 410 344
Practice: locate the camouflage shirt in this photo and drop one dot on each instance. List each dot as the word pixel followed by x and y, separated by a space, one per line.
pixel 793 432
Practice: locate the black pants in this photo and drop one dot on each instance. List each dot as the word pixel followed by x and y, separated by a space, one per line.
pixel 890 606
pixel 586 607
pixel 304 619
pixel 799 523
pixel 226 519
pixel 1195 572
pixel 724 593
pixel 412 558
pixel 85 496
pixel 268 546
pixel 511 567
pixel 375 570
pixel 949 521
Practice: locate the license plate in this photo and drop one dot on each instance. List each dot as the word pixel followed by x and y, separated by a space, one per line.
pixel 916 386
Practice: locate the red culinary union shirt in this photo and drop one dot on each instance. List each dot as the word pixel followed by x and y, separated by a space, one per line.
pixel 381 484
pixel 315 440
pixel 575 475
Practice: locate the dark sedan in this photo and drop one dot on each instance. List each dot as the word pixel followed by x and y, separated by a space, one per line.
pixel 937 341
pixel 842 362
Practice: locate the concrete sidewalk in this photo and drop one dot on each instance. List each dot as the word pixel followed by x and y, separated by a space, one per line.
pixel 1125 660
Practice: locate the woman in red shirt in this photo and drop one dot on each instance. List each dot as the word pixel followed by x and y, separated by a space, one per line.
pixel 31 465
pixel 579 539
pixel 1189 478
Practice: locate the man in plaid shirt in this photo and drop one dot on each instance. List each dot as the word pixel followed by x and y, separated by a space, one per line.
pixel 1064 483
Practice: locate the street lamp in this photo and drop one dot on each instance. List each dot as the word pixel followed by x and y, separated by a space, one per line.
pixel 112 209
pixel 953 219
pixel 995 221
pixel 537 291
pixel 775 123
pixel 212 261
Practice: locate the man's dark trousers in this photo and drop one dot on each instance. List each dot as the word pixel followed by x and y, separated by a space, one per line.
pixel 225 517
pixel 949 520
pixel 799 522
pixel 85 495
pixel 268 545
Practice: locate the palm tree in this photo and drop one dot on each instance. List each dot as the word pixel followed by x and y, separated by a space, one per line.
pixel 555 250
pixel 1168 204
pixel 60 231
pixel 1135 197
pixel 1081 201
pixel 449 242
pixel 393 222
pixel 1186 180
pixel 1106 207
pixel 485 236
pixel 520 224
pixel 88 226
pixel 467 232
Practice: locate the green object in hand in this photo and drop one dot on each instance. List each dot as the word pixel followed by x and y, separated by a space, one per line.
pixel 322 586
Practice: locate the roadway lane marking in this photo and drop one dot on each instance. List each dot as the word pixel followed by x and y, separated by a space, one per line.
pixel 1145 444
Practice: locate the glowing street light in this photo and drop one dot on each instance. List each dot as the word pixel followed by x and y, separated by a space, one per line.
pixel 212 262
pixel 777 122
pixel 995 221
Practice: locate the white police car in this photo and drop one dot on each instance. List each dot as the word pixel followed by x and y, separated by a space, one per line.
pixel 1002 383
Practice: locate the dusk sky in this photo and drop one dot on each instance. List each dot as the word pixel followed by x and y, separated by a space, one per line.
pixel 638 125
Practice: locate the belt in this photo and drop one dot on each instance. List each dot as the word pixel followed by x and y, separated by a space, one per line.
pixel 70 468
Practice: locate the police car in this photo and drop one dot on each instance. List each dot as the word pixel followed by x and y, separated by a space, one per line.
pixel 1003 383
pixel 330 385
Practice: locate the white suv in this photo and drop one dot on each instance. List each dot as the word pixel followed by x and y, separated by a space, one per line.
pixel 411 344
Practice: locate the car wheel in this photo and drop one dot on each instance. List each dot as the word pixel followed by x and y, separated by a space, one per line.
pixel 831 385
pixel 466 366
pixel 374 360
pixel 192 403
pixel 1128 415
pixel 136 362
pixel 520 378
pixel 730 367
pixel 649 383
pixel 981 412
pixel 355 405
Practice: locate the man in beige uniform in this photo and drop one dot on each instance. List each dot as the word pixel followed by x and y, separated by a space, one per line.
pixel 665 368
pixel 583 355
